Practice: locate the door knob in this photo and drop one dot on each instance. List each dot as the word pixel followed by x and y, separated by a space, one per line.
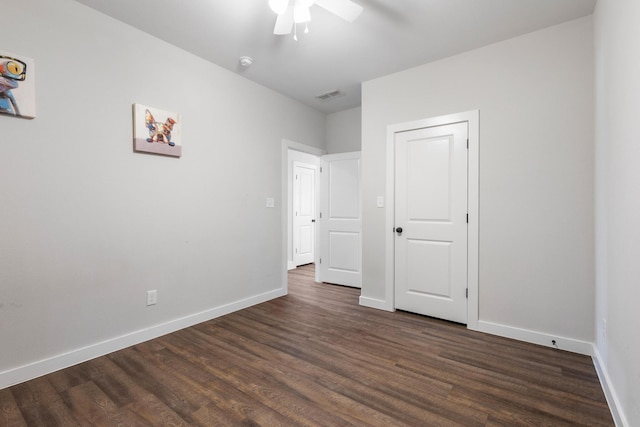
pixel 399 230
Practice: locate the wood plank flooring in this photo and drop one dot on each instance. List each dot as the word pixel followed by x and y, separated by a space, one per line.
pixel 316 358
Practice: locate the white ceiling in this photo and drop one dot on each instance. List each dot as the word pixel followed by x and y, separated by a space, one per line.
pixel 389 36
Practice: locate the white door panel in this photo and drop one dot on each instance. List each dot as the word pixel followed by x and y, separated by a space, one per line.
pixel 428 183
pixel 340 237
pixel 344 188
pixel 305 241
pixel 431 209
pixel 429 268
pixel 344 248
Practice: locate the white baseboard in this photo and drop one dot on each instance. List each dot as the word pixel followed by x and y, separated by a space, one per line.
pixel 534 337
pixel 33 370
pixel 375 303
pixel 609 392
pixel 291 265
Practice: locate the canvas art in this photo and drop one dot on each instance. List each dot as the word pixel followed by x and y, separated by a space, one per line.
pixel 17 86
pixel 156 131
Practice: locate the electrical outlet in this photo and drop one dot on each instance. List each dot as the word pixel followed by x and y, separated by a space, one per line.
pixel 152 297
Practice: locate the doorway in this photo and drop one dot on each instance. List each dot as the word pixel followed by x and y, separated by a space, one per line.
pixel 300 196
pixel 338 223
pixel 304 213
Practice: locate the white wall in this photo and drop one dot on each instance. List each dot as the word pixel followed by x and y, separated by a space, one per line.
pixel 535 97
pixel 87 226
pixel 617 47
pixel 344 131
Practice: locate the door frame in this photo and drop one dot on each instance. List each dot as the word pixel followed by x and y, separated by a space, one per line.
pixel 473 120
pixel 285 146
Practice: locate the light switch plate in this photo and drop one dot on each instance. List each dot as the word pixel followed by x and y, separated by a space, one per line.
pixel 380 202
pixel 152 297
pixel 271 203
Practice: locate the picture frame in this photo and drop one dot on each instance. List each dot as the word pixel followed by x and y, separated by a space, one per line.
pixel 157 131
pixel 17 86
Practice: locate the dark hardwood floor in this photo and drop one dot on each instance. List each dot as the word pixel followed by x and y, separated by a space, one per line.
pixel 316 358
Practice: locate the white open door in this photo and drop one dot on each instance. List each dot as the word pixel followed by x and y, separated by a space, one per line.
pixel 340 225
pixel 431 221
pixel 304 196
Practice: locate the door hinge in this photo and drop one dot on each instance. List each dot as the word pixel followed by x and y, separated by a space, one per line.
pixel 320 214
pixel 467 293
pixel 320 260
pixel 467 218
pixel 320 169
pixel 467 143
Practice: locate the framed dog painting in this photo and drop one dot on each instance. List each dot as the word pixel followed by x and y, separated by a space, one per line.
pixel 156 131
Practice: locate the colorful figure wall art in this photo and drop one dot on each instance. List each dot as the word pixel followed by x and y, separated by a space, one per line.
pixel 17 93
pixel 157 131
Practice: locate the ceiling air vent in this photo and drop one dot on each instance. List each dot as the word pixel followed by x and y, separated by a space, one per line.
pixel 329 95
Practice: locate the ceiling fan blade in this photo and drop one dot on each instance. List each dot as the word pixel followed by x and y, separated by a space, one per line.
pixel 345 9
pixel 284 22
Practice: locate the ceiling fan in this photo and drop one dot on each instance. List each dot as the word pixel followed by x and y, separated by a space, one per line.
pixel 291 12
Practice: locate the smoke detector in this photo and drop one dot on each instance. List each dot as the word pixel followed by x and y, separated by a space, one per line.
pixel 246 61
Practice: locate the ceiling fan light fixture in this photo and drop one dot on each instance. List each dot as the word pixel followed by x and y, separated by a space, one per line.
pixel 297 12
pixel 279 6
pixel 301 12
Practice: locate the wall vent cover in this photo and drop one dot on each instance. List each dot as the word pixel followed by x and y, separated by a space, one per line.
pixel 329 95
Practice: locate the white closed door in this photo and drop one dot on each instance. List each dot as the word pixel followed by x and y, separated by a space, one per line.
pixel 304 183
pixel 340 225
pixel 431 221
